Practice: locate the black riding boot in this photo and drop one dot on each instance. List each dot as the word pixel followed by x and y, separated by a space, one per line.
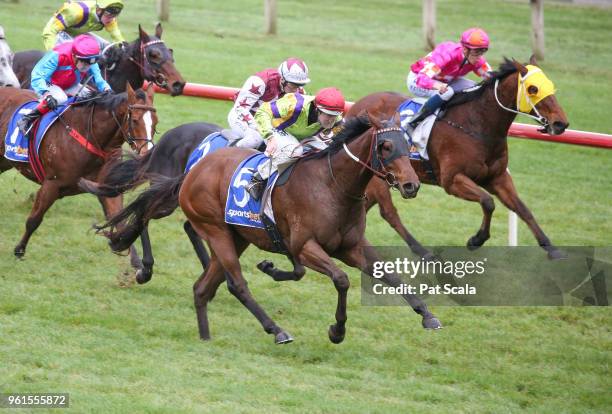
pixel 26 121
pixel 256 186
pixel 427 109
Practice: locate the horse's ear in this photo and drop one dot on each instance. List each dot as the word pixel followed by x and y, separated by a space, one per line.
pixel 131 95
pixel 522 69
pixel 143 35
pixel 158 30
pixel 532 60
pixel 374 120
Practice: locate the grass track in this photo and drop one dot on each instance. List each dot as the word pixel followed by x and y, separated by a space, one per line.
pixel 68 323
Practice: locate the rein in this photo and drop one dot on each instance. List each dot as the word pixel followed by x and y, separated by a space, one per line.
pixel 386 175
pixel 539 118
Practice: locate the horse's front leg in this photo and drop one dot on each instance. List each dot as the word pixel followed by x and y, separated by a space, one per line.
pixel 463 187
pixel 279 275
pixel 45 197
pixel 362 256
pixel 313 256
pixel 111 206
pixel 503 187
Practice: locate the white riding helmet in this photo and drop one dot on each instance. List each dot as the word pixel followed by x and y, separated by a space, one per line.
pixel 294 70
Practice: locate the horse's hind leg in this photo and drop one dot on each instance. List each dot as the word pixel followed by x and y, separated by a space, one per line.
pixel 227 249
pixel 463 187
pixel 197 244
pixel 281 275
pixel 45 197
pixel 146 273
pixel 503 188
pixel 111 206
pixel 204 290
pixel 378 192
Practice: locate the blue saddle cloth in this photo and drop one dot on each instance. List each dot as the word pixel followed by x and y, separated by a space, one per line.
pixel 210 144
pixel 240 208
pixel 15 143
pixel 406 111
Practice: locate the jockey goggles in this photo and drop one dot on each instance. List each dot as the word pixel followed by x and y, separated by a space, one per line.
pixel 113 11
pixel 87 60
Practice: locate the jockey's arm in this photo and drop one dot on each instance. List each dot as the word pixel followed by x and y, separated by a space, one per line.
pixel 42 72
pixel 425 77
pixel 483 70
pixel 272 114
pixel 67 16
pixel 53 27
pixel 246 100
pixel 101 84
pixel 113 29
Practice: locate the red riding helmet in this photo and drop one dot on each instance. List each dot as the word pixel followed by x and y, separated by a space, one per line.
pixel 330 101
pixel 86 48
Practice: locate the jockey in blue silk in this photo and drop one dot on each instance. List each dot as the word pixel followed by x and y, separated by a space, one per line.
pixel 287 121
pixel 59 73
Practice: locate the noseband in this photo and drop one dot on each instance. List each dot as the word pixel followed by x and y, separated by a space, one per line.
pixel 145 65
pixel 128 135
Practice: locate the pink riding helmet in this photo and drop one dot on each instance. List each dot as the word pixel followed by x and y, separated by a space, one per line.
pixel 86 48
pixel 475 38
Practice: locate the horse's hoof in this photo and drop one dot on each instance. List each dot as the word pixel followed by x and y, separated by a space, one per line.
pixel 557 254
pixel 432 323
pixel 265 266
pixel 19 252
pixel 143 277
pixel 283 338
pixel 474 243
pixel 335 336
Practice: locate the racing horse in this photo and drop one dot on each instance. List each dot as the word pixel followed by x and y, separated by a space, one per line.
pixel 330 182
pixel 169 158
pixel 7 77
pixel 146 58
pixel 468 148
pixel 105 122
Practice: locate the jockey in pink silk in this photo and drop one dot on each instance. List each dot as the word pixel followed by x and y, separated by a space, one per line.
pixel 439 75
pixel 264 86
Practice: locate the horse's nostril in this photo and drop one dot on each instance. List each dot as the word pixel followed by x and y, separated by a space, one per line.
pixel 411 187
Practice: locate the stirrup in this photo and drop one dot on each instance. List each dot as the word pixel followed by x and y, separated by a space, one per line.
pixel 255 187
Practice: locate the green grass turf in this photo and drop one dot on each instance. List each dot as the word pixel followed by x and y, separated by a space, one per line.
pixel 70 321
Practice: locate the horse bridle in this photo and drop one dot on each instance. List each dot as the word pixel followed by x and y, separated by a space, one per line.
pixel 542 120
pixel 374 162
pixel 157 77
pixel 128 135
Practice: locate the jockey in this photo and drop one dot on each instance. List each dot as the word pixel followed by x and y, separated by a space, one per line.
pixel 285 122
pixel 58 74
pixel 75 18
pixel 264 86
pixel 439 75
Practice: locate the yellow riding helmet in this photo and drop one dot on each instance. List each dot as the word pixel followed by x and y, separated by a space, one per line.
pixel 113 4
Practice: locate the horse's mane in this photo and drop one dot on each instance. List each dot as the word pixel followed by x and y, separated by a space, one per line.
pixel 351 129
pixel 110 101
pixel 507 68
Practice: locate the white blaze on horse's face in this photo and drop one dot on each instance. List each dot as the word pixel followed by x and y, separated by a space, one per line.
pixel 7 77
pixel 148 120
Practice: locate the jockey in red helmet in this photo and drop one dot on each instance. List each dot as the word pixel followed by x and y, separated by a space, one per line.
pixel 289 120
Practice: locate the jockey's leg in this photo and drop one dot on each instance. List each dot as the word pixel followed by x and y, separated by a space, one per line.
pixel 461 84
pixel 101 41
pixel 251 139
pixel 284 147
pixel 62 37
pixel 433 103
pixel 26 122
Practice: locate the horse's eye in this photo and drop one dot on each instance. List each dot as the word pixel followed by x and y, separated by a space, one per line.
pixel 532 90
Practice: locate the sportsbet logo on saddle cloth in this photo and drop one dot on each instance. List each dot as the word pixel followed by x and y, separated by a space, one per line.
pixel 240 208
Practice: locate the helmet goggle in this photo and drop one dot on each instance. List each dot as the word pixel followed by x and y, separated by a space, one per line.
pixel 88 60
pixel 329 111
pixel 112 10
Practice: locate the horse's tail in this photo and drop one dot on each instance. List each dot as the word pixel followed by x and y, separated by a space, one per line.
pixel 158 201
pixel 118 177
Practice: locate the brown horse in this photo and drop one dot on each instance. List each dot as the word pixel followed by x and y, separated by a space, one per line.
pixel 107 121
pixel 146 58
pixel 468 148
pixel 319 213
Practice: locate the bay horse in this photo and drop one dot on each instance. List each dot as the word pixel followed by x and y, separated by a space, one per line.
pixel 468 148
pixel 7 77
pixel 319 212
pixel 105 122
pixel 146 58
pixel 169 158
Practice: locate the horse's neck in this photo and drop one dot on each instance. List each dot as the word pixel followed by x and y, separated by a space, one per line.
pixel 127 71
pixel 102 130
pixel 351 177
